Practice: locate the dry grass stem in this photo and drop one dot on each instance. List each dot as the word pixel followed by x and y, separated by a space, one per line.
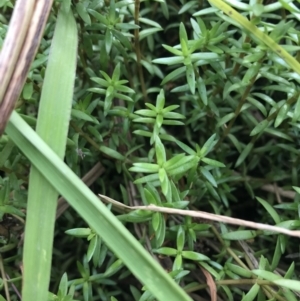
pixel 205 215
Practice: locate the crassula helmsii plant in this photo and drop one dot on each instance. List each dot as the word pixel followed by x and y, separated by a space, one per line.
pixel 184 105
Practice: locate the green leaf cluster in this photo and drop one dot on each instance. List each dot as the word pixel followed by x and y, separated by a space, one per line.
pixel 192 105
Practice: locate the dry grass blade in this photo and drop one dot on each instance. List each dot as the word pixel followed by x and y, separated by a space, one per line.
pixel 14 40
pixel 211 284
pixel 14 73
pixel 275 189
pixel 205 215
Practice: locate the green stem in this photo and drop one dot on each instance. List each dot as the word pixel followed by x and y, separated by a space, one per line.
pixel 138 49
pixel 237 110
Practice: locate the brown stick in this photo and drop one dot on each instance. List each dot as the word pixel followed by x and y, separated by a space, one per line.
pixel 285 193
pixel 88 179
pixel 16 77
pixel 205 215
pixel 14 40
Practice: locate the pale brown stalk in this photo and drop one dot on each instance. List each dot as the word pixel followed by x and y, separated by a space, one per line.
pixel 205 215
pixel 19 49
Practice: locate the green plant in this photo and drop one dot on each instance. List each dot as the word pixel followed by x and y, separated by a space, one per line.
pixel 185 107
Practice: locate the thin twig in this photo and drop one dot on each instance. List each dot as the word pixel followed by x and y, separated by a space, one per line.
pixel 14 288
pixel 205 215
pixel 88 179
pixel 275 189
pixel 4 279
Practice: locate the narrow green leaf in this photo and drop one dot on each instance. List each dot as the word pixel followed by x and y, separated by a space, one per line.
pixel 206 11
pixel 266 275
pixel 173 50
pixel 152 195
pixel 189 163
pixel 155 221
pixel 208 145
pixel 178 162
pixel 187 6
pixel 179 72
pixel 108 39
pixel 164 181
pixel 92 247
pixel 160 152
pixel 282 114
pixel 169 60
pixel 225 119
pixel 291 284
pixel 277 254
pixel 208 176
pixel 144 167
pixel 260 127
pixel 180 238
pixel 114 268
pixel 202 90
pixel 212 162
pixel 173 162
pixel 6 152
pixel 172 114
pixel 111 153
pixel 160 101
pixel 149 22
pixel 82 12
pixel 166 251
pixel 186 148
pixel 199 56
pixel 115 235
pixel 79 232
pixel 297 189
pixel 250 296
pixel 227 292
pixel 190 77
pixel 270 210
pixel 194 256
pixel 148 32
pixel 240 235
pixel 147 113
pixel 63 285
pixel 83 116
pixel 239 270
pixel 177 265
pixel 244 154
pixel 54 110
pixel 27 91
pixel 277 133
pixel 182 33
pixel 251 73
pixel 146 179
pixel 122 38
pixel 161 231
pixel 172 122
pixel 126 26
pixel 296 115
pixel 258 105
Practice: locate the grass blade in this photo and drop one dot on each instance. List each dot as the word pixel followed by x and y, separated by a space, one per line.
pixel 52 126
pixel 261 36
pixel 116 236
